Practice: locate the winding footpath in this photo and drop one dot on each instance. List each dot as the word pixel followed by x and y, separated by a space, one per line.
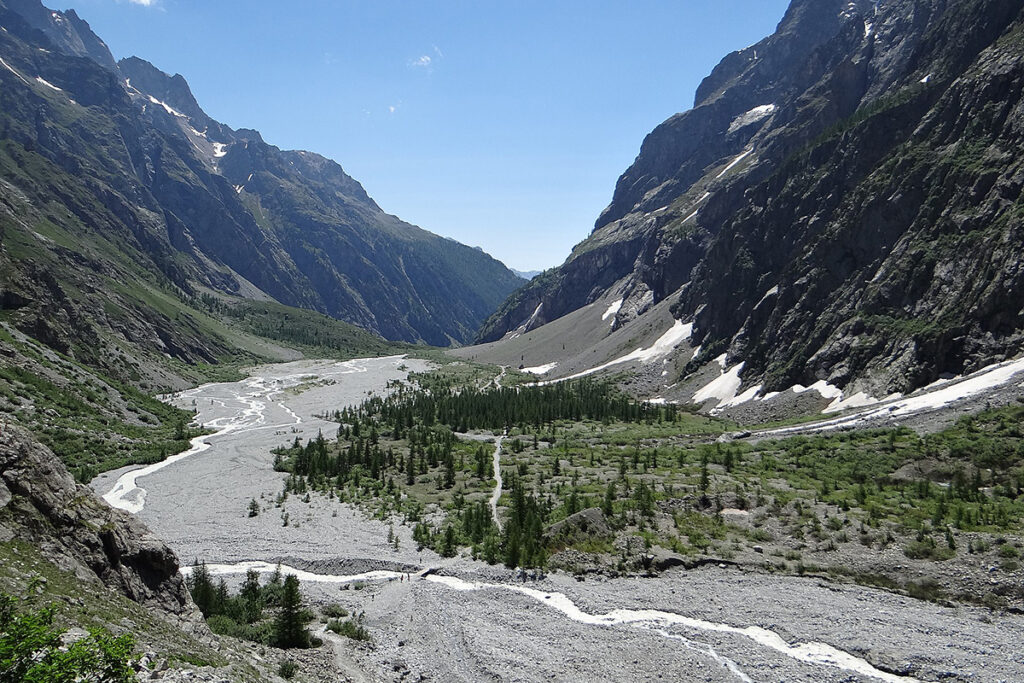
pixel 497 483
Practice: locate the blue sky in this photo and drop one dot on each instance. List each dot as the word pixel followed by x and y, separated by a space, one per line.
pixel 500 124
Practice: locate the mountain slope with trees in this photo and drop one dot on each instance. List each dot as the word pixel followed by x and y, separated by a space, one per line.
pixel 119 159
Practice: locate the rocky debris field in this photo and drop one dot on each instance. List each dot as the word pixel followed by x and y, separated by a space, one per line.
pixel 458 619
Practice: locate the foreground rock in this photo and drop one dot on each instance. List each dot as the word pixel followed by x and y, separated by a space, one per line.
pixel 40 503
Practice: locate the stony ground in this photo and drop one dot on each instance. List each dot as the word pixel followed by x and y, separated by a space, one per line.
pixel 426 630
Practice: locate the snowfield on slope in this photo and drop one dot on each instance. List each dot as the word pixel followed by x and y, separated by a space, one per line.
pixel 678 333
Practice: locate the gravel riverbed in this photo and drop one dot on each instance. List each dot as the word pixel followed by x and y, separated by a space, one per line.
pixel 426 629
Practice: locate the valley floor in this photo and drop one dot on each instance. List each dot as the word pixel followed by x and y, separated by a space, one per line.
pixel 458 619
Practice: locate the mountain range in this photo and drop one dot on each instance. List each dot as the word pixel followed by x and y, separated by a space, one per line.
pixel 841 211
pixel 841 207
pixel 113 174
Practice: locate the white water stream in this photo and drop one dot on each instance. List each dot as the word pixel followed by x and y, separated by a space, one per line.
pixel 253 395
pixel 269 568
pixel 653 621
pixel 126 493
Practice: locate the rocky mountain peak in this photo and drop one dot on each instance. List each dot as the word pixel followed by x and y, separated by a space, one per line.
pixel 174 90
pixel 66 30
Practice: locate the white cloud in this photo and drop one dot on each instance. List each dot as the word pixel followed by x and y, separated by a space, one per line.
pixel 423 62
pixel 391 109
pixel 144 3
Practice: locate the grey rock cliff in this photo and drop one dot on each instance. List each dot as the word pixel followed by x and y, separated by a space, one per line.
pixel 41 504
pixel 842 202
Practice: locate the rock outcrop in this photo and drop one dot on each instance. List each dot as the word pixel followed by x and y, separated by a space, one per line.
pixel 41 504
pixel 581 526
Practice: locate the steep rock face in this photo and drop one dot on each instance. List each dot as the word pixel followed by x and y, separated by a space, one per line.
pixel 649 223
pixel 67 31
pixel 128 151
pixel 842 203
pixel 41 504
pixel 890 239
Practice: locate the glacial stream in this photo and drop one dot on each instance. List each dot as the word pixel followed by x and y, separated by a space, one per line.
pixel 253 394
pixel 654 621
pixel 497 483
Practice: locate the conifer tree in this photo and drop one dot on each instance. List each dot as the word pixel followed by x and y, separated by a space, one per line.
pixel 203 591
pixel 289 630
pixel 252 600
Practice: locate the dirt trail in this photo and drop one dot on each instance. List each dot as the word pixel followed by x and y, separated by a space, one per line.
pixel 497 482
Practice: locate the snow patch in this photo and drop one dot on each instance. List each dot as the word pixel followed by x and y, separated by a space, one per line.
pixel 723 387
pixel 239 188
pixel 733 163
pixel 858 400
pixel 541 369
pixel 40 79
pixel 751 117
pixel 167 108
pixel 746 397
pixel 938 383
pixel 927 79
pixel 822 387
pixel 952 391
pixel 13 71
pixel 699 202
pixel 677 334
pixel 613 310
pixel 533 317
pixel 770 293
pixel 219 150
pixel 721 361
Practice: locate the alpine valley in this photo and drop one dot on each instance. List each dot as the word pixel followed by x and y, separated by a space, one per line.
pixel 765 423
